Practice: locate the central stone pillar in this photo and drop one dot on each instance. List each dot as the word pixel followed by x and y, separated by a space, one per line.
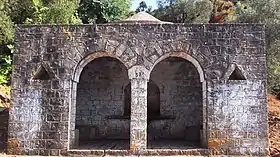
pixel 139 77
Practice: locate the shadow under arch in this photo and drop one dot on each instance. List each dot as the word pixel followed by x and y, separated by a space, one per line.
pixel 87 59
pixel 73 137
pixel 203 83
pixel 186 57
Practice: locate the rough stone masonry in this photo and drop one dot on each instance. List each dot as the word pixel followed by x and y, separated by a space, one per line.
pixel 207 80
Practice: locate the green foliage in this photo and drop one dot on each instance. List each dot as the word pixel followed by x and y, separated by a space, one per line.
pixel 204 8
pixel 6 38
pixel 54 12
pixel 265 11
pixel 20 10
pixel 6 68
pixel 32 12
pixel 6 28
pixel 102 11
pixel 143 7
pixel 6 24
pixel 185 11
pixel 273 57
pixel 273 60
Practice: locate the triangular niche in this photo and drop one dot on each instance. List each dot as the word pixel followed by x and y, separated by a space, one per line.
pixel 41 74
pixel 237 75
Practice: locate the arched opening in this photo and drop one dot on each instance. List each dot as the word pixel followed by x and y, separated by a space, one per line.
pixel 180 123
pixel 99 102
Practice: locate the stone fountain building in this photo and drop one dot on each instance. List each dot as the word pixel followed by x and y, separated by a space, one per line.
pixel 139 86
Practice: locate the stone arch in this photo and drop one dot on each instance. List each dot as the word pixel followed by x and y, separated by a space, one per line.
pixel 123 49
pixel 72 133
pixel 203 81
pixel 90 57
pixel 186 57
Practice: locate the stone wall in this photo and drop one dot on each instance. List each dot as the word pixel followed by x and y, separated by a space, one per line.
pixel 100 95
pixel 39 116
pixel 239 102
pixel 180 97
pixel 4 117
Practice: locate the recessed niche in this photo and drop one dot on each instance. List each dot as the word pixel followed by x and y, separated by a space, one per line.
pixel 237 75
pixel 41 74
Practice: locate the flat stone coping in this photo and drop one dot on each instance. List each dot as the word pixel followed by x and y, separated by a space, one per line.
pixel 147 152
pixel 162 117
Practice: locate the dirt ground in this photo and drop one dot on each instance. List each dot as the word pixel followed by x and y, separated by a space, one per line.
pixel 274 125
